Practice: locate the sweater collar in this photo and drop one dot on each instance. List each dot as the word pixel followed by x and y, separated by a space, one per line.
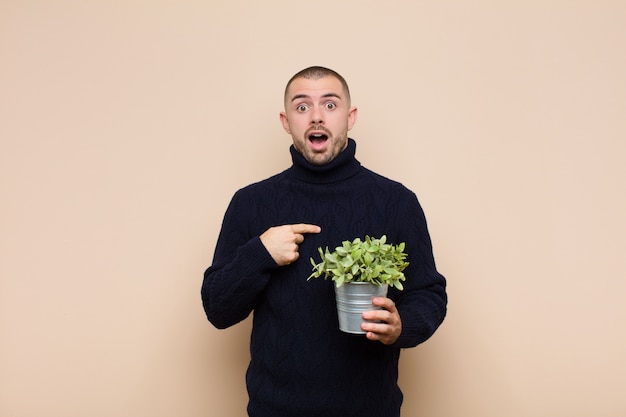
pixel 343 166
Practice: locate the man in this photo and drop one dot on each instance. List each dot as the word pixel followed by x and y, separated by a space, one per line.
pixel 301 364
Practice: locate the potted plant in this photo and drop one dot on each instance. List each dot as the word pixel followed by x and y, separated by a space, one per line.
pixel 361 270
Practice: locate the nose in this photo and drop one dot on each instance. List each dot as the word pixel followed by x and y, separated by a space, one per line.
pixel 317 116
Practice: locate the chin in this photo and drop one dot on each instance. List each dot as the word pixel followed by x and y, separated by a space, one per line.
pixel 318 159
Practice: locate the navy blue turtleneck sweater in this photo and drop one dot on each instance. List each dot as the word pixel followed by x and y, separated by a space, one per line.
pixel 301 363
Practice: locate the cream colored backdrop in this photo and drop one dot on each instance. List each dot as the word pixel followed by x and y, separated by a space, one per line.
pixel 126 126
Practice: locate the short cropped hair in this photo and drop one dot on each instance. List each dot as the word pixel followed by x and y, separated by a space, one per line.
pixel 315 73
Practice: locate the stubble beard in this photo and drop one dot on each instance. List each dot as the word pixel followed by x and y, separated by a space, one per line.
pixel 321 159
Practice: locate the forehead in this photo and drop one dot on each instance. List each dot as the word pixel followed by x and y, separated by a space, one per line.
pixel 315 88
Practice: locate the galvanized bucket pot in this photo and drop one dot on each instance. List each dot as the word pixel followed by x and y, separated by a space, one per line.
pixel 353 298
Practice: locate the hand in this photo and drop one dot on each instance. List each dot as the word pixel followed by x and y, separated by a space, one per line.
pixel 389 330
pixel 282 242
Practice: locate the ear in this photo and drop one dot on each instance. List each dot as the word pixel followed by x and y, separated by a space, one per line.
pixel 352 114
pixel 285 122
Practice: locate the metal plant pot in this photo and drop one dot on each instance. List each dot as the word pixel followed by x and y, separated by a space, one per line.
pixel 353 298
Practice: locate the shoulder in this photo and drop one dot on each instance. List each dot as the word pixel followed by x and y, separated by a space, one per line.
pixel 264 193
pixel 379 180
pixel 263 186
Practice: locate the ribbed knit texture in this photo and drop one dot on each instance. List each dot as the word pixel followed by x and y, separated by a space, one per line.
pixel 302 365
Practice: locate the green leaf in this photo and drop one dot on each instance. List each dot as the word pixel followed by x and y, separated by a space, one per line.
pixel 330 257
pixel 390 271
pixel 339 281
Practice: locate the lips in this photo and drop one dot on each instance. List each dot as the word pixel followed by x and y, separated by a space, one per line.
pixel 318 138
pixel 317 135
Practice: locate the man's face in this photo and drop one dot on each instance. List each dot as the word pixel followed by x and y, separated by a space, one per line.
pixel 318 117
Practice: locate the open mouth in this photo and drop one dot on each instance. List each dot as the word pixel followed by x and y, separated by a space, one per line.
pixel 318 138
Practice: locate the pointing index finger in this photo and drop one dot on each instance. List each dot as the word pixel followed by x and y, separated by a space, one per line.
pixel 305 228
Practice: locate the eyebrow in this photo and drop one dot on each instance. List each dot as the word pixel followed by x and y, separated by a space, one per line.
pixel 299 96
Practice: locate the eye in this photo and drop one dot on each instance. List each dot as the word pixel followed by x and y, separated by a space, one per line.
pixel 330 106
pixel 302 108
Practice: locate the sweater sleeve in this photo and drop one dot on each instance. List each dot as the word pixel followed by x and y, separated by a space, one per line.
pixel 423 302
pixel 239 273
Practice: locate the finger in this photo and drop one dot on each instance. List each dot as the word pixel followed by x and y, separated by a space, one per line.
pixel 384 333
pixel 386 303
pixel 384 339
pixel 378 315
pixel 305 228
pixel 372 336
pixel 379 330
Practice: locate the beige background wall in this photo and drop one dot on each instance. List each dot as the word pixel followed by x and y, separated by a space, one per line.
pixel 126 126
